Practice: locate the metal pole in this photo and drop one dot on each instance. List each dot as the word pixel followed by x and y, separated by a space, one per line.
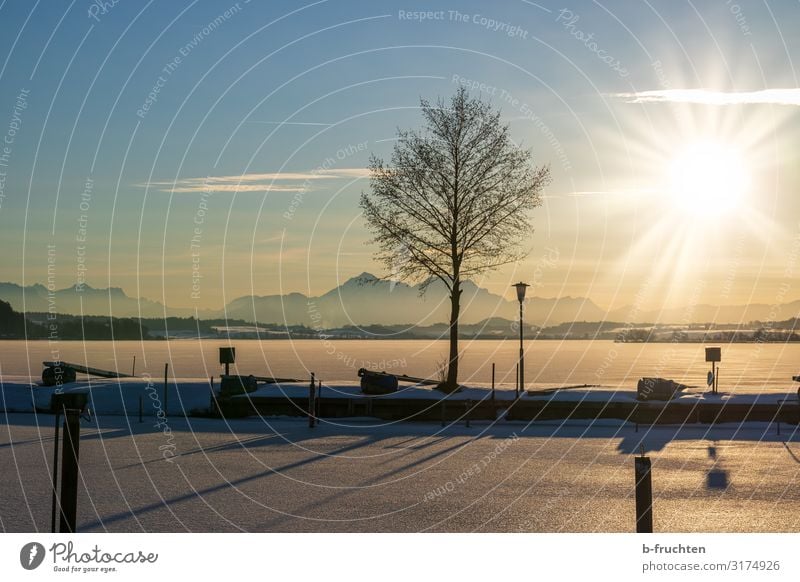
pixel 211 401
pixel 521 354
pixel 319 400
pixel 644 495
pixel 55 474
pixel 69 470
pixel 140 409
pixel 166 400
pixel 311 389
pixel 492 382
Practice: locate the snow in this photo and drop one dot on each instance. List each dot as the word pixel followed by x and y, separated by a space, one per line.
pixel 117 396
pixel 186 395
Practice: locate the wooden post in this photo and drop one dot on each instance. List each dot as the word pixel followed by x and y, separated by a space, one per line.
pixel 311 390
pixel 211 407
pixel 644 495
pixel 492 383
pixel 319 400
pixel 133 368
pixel 53 510
pixel 166 398
pixel 69 470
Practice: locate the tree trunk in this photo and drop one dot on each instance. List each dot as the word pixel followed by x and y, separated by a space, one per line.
pixel 451 384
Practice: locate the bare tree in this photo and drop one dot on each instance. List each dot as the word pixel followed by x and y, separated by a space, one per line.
pixel 455 202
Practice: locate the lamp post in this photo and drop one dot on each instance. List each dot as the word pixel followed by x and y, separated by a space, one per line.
pixel 521 287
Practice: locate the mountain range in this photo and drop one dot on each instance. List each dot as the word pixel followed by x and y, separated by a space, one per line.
pixel 366 299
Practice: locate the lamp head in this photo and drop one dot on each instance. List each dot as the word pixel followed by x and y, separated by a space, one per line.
pixel 521 287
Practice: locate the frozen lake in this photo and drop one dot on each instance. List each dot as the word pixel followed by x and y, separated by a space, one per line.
pixel 744 366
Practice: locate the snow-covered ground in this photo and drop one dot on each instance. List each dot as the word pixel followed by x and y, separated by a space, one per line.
pixel 276 474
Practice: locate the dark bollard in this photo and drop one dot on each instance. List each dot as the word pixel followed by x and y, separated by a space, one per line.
pixel 69 470
pixel 53 510
pixel 644 495
pixel 319 400
pixel 311 402
pixel 166 400
pixel 493 384
pixel 468 405
pixel 442 406
pixel 141 409
pixel 212 397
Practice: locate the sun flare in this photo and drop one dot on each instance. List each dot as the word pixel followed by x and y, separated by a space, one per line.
pixel 708 178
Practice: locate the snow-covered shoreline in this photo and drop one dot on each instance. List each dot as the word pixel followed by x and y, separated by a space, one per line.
pixel 188 396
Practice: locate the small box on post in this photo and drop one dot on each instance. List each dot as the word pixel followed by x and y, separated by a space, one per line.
pixel 714 355
pixel 227 356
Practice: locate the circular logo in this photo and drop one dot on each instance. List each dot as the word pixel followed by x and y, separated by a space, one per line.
pixel 31 555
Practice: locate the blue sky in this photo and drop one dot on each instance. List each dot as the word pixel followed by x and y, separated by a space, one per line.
pixel 224 144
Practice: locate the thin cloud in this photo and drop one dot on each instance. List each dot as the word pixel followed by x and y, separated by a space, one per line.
pixel 256 182
pixel 708 97
pixel 234 188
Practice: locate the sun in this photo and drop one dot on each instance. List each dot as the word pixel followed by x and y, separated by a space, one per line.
pixel 708 178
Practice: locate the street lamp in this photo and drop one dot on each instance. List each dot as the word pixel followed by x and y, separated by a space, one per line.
pixel 521 287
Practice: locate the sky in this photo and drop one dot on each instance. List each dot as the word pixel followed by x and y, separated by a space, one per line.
pixel 195 152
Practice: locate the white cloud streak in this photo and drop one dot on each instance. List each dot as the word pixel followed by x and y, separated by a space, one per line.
pixel 255 182
pixel 709 97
